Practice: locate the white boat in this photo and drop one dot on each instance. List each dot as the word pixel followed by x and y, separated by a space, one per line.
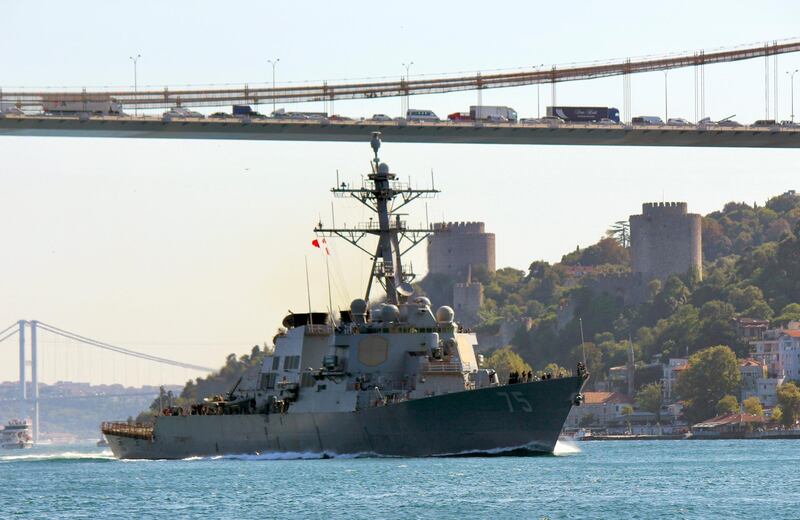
pixel 16 435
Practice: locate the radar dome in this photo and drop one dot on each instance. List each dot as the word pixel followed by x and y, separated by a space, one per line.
pixel 389 313
pixel 358 306
pixel 445 314
pixel 383 168
pixel 422 301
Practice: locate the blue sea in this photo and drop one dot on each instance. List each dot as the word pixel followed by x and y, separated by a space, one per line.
pixel 631 479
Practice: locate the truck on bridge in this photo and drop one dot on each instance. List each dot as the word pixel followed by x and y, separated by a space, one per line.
pixel 495 114
pixel 66 108
pixel 584 114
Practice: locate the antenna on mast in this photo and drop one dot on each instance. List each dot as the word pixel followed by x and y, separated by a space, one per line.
pixel 384 195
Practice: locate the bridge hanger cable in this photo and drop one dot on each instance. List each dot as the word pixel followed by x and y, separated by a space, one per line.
pixel 120 350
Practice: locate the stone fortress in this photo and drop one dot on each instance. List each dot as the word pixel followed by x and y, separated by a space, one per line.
pixel 454 249
pixel 666 239
pixel 455 246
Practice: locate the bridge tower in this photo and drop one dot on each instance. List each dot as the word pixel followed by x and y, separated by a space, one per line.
pixel 35 378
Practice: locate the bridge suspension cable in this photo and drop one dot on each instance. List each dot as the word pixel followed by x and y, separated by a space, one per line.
pixel 120 350
pixel 166 98
pixel 10 334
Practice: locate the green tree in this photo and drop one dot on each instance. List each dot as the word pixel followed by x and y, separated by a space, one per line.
pixel 789 402
pixel 504 361
pixel 650 398
pixel 712 374
pixel 753 406
pixel 727 404
pixel 627 411
pixel 789 313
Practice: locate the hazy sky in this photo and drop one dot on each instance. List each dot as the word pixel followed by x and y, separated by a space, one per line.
pixel 194 249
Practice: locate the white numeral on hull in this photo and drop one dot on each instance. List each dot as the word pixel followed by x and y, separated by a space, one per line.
pixel 517 398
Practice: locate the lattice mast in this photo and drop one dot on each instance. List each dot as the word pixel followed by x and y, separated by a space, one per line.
pixel 384 195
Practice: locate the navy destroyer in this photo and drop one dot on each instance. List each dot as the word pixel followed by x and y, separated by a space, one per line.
pixel 394 378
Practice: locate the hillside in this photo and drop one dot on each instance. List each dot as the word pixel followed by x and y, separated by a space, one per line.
pixel 751 268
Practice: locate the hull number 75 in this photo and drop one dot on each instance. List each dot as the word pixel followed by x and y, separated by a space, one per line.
pixel 516 401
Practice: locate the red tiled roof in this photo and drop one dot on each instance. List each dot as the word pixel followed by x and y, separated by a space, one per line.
pixel 749 362
pixel 604 398
pixel 791 332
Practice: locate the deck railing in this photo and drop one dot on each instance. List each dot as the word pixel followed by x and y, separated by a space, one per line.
pixel 446 367
pixel 133 431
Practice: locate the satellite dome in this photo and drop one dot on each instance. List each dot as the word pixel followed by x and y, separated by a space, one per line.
pixel 445 314
pixel 422 301
pixel 389 313
pixel 358 307
pixel 383 168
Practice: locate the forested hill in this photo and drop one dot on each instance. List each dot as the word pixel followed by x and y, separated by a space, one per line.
pixel 217 383
pixel 751 268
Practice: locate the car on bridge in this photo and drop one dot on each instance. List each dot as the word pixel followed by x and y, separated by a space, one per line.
pixel 380 117
pixel 181 113
pixel 647 120
pixel 678 121
pixel 422 116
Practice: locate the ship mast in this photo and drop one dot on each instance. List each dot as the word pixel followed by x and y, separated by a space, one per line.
pixel 383 194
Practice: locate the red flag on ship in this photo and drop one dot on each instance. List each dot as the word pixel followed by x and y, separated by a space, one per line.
pixel 321 245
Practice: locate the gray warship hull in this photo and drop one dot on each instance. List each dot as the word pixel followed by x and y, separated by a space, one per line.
pixel 525 417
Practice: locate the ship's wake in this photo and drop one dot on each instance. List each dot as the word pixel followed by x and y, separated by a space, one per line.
pixel 564 447
pixel 289 455
pixel 65 457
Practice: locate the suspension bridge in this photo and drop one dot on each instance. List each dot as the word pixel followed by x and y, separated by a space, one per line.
pixel 44 113
pixel 29 335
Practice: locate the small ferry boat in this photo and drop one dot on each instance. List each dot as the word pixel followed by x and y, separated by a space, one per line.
pixel 16 435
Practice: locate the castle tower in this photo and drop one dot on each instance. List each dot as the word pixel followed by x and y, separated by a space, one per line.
pixel 666 239
pixel 454 247
pixel 467 300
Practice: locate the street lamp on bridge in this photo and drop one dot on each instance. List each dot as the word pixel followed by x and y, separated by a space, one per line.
pixel 538 92
pixel 408 74
pixel 273 63
pixel 791 88
pixel 135 82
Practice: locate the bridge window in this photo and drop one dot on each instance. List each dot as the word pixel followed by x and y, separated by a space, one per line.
pixel 267 381
pixel 276 363
pixel 291 362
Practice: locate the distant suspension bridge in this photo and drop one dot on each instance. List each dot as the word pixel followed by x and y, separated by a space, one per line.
pixel 25 329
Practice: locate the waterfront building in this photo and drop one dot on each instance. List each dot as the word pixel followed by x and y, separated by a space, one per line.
pixel 779 350
pixel 671 370
pixel 601 408
pixel 732 425
pixel 753 372
pixel 750 329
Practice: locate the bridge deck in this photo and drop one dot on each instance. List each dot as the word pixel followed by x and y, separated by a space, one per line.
pixel 401 132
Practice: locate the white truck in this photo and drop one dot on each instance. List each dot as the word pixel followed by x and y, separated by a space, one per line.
pixel 68 108
pixel 493 113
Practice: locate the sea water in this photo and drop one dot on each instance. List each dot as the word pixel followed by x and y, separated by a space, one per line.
pixel 615 479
